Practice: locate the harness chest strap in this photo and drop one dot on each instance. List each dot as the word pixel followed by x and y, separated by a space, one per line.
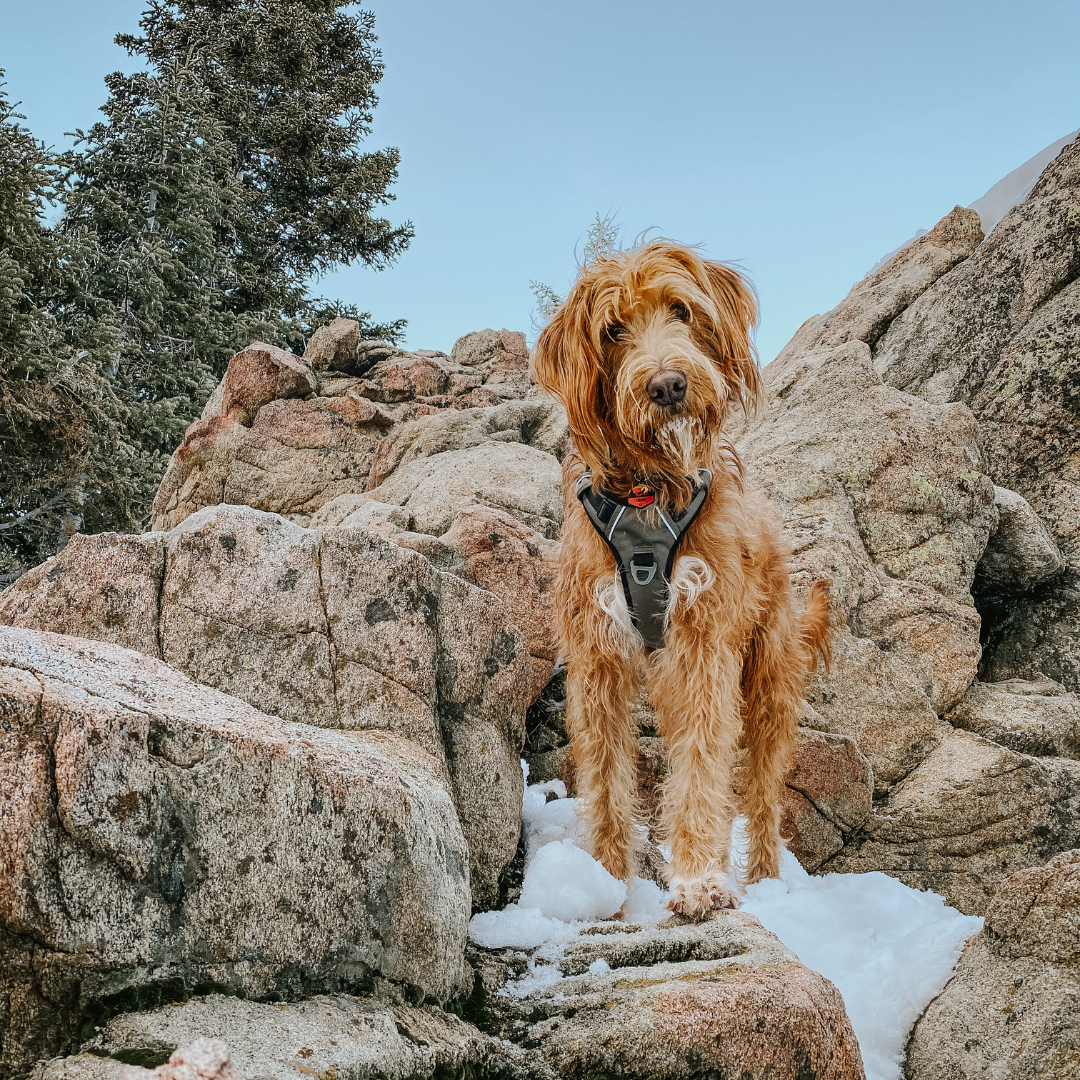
pixel 644 541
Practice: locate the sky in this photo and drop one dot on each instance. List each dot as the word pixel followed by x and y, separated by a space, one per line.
pixel 802 140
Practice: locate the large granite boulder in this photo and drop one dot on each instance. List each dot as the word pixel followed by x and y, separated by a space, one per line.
pixel 721 998
pixel 920 444
pixel 157 833
pixel 1001 333
pixel 1011 1010
pixel 1030 716
pixel 971 814
pixel 337 628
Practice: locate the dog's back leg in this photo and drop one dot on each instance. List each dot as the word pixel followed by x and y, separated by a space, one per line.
pixel 770 694
pixel 773 683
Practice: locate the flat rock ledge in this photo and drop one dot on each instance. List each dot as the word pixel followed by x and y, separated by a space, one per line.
pixel 724 999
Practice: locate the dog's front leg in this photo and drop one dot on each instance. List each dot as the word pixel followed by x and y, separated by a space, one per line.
pixel 694 690
pixel 600 685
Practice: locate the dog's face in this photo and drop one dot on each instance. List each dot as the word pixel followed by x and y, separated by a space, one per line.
pixel 649 352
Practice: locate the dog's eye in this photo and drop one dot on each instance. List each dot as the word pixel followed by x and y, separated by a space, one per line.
pixel 680 312
pixel 614 332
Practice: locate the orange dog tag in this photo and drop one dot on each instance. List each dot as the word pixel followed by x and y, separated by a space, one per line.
pixel 641 495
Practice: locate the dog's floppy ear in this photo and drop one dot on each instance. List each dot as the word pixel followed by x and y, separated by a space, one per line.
pixel 736 308
pixel 567 361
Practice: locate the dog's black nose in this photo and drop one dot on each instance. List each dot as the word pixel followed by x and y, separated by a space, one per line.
pixel 667 388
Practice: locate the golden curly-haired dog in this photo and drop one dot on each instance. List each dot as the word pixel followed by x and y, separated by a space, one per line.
pixel 649 353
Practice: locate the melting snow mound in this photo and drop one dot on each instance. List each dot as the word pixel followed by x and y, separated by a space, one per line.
pixel 887 948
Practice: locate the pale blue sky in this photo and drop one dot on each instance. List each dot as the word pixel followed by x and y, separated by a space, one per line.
pixel 803 139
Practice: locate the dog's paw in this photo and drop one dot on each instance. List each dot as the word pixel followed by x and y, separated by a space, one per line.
pixel 698 897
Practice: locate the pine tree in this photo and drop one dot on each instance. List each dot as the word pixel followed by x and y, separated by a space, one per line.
pixel 292 82
pixel 153 183
pixel 60 422
pixel 221 180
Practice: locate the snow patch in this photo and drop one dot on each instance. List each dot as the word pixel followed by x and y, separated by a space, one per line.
pixel 887 948
pixel 564 882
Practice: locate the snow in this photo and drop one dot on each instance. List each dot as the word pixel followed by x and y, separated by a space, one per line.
pixel 887 948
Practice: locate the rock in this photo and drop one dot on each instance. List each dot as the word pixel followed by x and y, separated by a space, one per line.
pixel 300 455
pixel 935 638
pixel 351 1038
pixel 502 349
pixel 520 480
pixel 160 833
pixel 333 347
pixel 260 374
pixel 971 814
pixel 828 794
pixel 336 628
pixel 1001 333
pixel 875 699
pixel 1031 717
pixel 517 564
pixel 1021 552
pixel 721 998
pixel 910 471
pixel 296 456
pixel 540 423
pixel 883 494
pixel 1010 1011
pixel 266 440
pixel 677 1000
pixel 875 301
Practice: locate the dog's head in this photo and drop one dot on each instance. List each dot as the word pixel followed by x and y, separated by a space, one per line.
pixel 649 353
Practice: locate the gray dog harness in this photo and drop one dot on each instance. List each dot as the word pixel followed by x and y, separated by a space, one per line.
pixel 644 540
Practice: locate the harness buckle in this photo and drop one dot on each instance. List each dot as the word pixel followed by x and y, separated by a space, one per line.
pixel 643 567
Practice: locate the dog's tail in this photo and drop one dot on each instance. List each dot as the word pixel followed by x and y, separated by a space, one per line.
pixel 815 627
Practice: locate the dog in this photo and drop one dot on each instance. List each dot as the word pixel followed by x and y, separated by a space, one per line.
pixel 650 353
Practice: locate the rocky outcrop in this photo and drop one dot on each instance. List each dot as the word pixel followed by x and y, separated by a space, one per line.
pixel 347 1037
pixel 287 435
pixel 1010 1011
pixel 883 493
pixel 725 997
pixel 1021 553
pixel 337 628
pixel 891 419
pixel 157 833
pixel 970 814
pixel 1030 716
pixel 1001 333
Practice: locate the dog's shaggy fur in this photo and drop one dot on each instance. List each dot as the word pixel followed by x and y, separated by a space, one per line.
pixel 733 667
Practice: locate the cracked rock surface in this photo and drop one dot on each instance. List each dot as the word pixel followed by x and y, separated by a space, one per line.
pixel 721 998
pixel 156 831
pixel 1012 1010
pixel 337 628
